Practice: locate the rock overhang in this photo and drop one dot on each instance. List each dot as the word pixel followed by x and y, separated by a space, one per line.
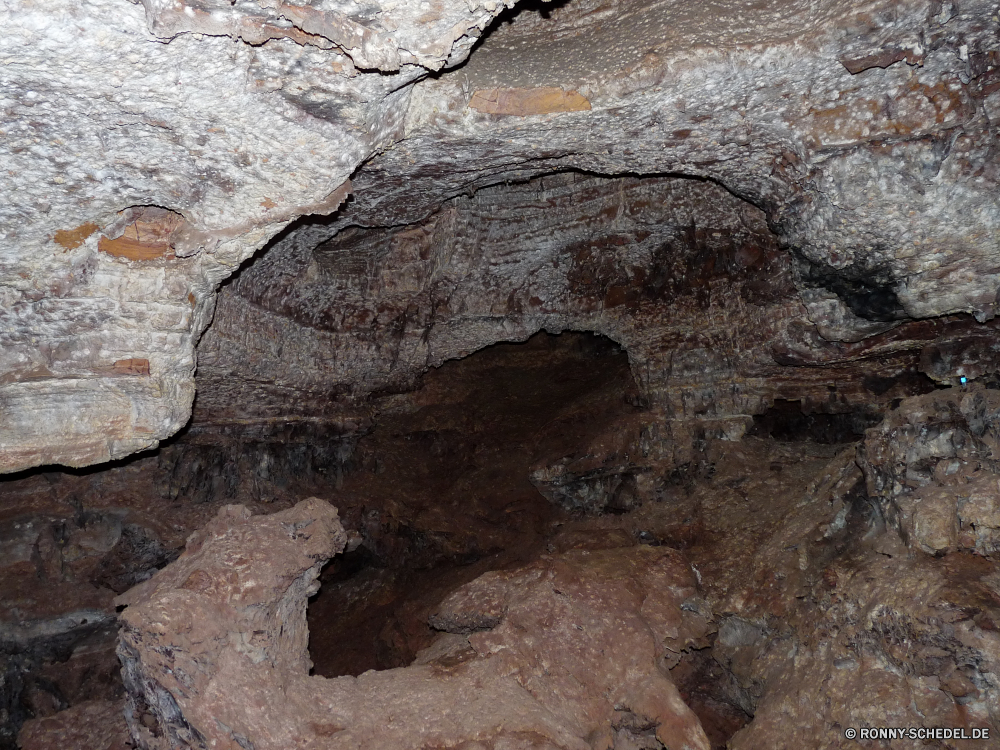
pixel 864 131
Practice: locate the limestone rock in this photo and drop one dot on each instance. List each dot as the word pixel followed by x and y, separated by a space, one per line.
pixel 685 276
pixel 57 623
pixel 214 650
pixel 826 620
pixel 864 132
pixel 609 474
pixel 111 113
pixel 933 465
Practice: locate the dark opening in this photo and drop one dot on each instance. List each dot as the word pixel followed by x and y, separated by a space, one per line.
pixel 440 489
pixel 786 421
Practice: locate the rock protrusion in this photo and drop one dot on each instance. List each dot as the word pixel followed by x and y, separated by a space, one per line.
pixel 933 464
pixel 210 642
pixel 571 652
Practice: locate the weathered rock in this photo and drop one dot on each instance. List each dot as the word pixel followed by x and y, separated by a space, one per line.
pixel 609 474
pixel 214 648
pixel 685 276
pixel 105 124
pixel 898 645
pixel 96 725
pixel 933 465
pixel 785 215
pixel 57 628
pixel 220 623
pixel 626 606
pixel 826 621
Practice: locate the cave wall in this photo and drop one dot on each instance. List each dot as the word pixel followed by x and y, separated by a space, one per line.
pixel 864 131
pixel 769 206
pixel 686 277
pixel 109 108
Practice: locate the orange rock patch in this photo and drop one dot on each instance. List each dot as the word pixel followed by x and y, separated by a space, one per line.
pixel 524 102
pixel 73 238
pixel 148 237
pixel 131 367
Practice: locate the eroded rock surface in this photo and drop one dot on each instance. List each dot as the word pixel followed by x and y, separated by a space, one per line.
pixel 216 623
pixel 805 582
pixel 686 277
pixel 784 213
pixel 564 653
pixel 98 725
pixel 152 150
pixel 58 630
pixel 113 111
pixel 933 465
pixel 826 619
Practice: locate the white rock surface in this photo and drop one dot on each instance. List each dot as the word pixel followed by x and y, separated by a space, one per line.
pixel 100 114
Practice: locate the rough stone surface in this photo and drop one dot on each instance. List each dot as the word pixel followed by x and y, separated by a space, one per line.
pixel 98 725
pixel 785 216
pixel 566 655
pixel 219 622
pixel 687 278
pixel 933 465
pixel 797 586
pixel 865 132
pixel 58 630
pixel 605 476
pixel 825 619
pixel 805 584
pixel 109 109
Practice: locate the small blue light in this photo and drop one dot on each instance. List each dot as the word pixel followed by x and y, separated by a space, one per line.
pixel 964 380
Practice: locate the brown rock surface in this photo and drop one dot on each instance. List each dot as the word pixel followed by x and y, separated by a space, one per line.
pixel 58 576
pixel 220 624
pixel 782 220
pixel 826 621
pixel 933 465
pixel 567 655
pixel 95 725
pixel 686 277
pixel 806 587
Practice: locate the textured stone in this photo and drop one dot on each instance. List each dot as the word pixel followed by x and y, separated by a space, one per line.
pixel 825 619
pixel 685 276
pixel 97 725
pixel 102 121
pixel 864 131
pixel 605 475
pixel 58 627
pixel 786 216
pixel 932 464
pixel 566 656
pixel 802 574
pixel 220 624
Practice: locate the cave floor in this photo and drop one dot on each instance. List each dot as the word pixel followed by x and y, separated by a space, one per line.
pixel 807 591
pixel 722 515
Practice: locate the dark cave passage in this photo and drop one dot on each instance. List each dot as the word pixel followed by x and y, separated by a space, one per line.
pixel 786 421
pixel 440 491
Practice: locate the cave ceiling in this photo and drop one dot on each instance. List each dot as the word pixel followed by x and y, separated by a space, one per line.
pixel 756 199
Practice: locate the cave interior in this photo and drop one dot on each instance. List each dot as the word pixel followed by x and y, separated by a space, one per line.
pixel 572 375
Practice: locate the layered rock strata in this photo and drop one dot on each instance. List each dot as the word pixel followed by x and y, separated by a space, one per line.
pixel 686 277
pixel 117 114
pixel 816 578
